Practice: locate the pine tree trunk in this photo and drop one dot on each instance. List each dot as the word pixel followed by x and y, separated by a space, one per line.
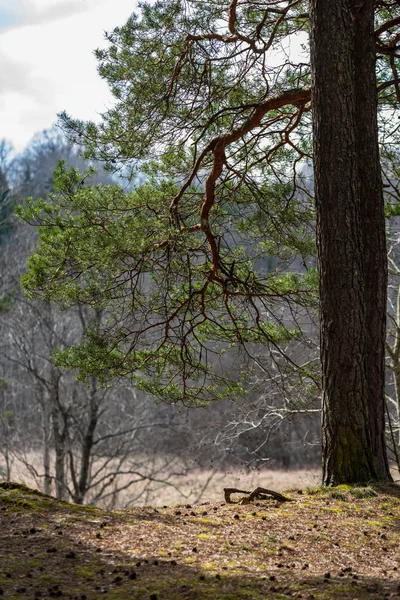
pixel 350 240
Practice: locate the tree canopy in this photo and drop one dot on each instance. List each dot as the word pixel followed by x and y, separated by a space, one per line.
pixel 213 107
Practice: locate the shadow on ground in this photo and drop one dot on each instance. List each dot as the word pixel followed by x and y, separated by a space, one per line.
pixel 50 549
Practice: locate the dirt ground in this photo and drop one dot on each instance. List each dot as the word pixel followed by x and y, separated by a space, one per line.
pixel 324 543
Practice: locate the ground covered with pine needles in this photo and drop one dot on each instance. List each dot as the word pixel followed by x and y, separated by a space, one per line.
pixel 326 543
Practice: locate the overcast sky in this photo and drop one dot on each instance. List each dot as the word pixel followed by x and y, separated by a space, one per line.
pixel 47 63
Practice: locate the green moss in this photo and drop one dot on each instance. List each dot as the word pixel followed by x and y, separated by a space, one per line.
pixel 246 547
pixel 47 579
pixel 21 496
pixel 363 492
pixel 12 486
pixel 343 589
pixel 270 539
pixel 16 504
pixel 344 486
pixel 87 572
pixel 335 509
pixel 205 520
pixel 209 566
pixel 202 587
pixel 82 508
pixel 337 495
pixel 372 523
pixel 314 491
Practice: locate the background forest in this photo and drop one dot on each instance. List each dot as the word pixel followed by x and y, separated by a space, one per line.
pixel 85 443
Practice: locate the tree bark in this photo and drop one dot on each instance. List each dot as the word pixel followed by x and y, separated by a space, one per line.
pixel 60 437
pixel 351 241
pixel 60 456
pixel 46 433
pixel 81 486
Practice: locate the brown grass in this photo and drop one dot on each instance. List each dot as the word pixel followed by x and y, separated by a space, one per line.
pixel 194 485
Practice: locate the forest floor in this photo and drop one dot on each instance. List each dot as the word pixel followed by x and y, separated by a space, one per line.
pixel 339 543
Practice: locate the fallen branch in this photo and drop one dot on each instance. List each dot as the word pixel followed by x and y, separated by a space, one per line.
pixel 260 493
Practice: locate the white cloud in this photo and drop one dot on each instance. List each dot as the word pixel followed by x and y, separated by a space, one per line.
pixel 48 64
pixel 30 12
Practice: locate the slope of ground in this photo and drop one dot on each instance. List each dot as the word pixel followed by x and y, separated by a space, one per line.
pixel 339 543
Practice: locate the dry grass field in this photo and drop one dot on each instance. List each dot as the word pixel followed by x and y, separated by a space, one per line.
pixel 194 485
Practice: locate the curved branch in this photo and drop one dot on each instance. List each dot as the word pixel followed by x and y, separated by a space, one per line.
pixel 386 26
pixel 218 146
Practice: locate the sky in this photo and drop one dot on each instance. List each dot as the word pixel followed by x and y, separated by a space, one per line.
pixel 47 63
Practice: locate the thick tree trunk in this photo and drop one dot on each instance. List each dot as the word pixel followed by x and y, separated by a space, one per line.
pixel 350 240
